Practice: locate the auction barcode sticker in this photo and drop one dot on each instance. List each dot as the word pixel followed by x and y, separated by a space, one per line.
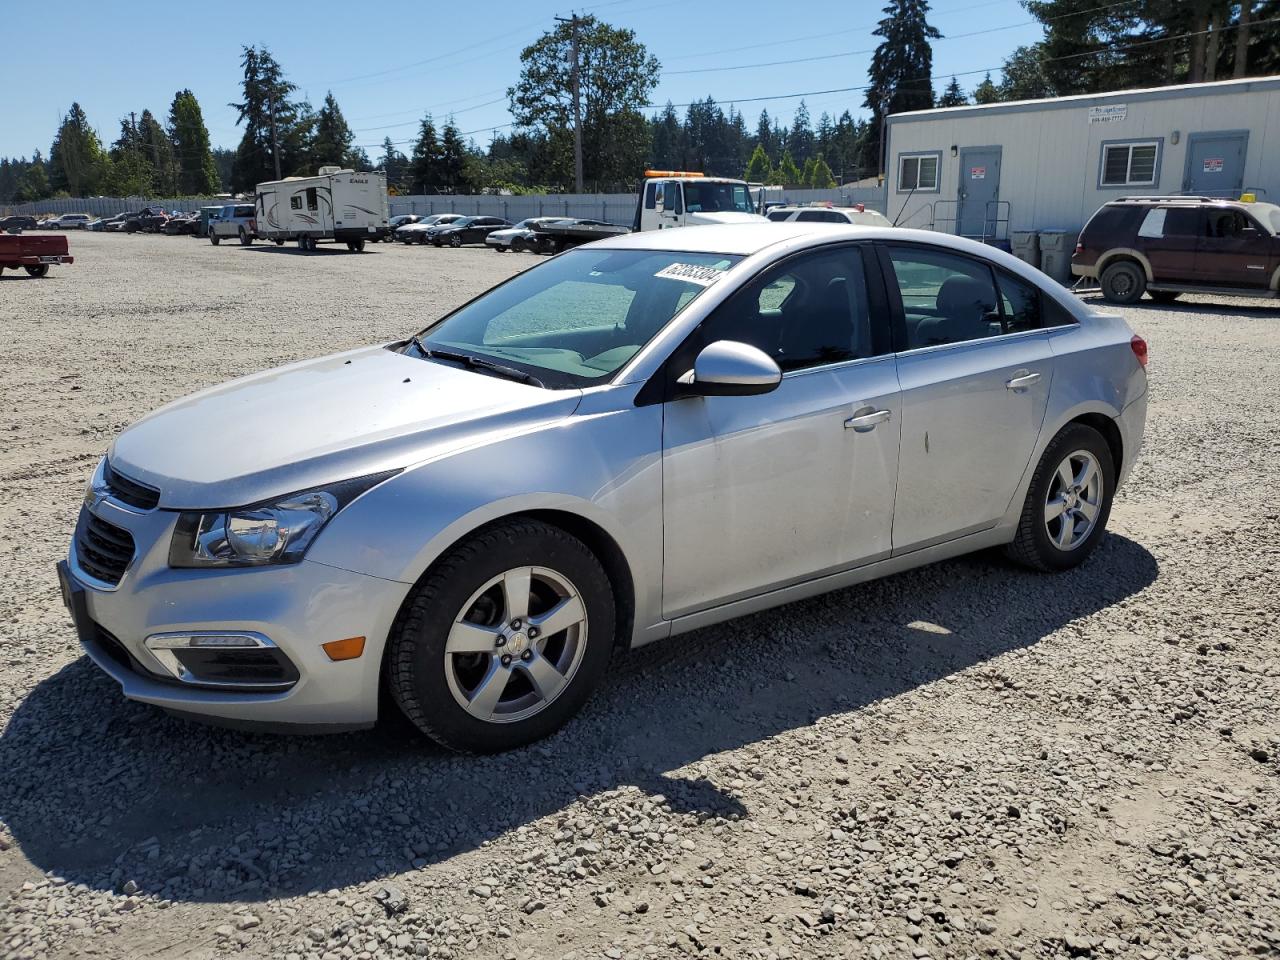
pixel 697 273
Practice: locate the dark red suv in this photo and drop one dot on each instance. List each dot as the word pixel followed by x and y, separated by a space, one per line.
pixel 1165 246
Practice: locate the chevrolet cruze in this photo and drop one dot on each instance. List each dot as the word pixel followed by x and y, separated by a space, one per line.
pixel 634 439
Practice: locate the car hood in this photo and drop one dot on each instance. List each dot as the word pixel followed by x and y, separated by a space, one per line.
pixel 321 421
pixel 727 216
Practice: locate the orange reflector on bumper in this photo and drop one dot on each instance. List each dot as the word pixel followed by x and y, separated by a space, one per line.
pixel 347 649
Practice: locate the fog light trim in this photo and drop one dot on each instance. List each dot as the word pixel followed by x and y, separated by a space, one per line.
pixel 163 648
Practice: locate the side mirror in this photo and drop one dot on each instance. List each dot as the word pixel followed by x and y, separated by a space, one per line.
pixel 728 368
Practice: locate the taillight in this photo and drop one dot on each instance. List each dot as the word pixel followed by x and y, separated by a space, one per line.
pixel 1139 350
pixel 1079 247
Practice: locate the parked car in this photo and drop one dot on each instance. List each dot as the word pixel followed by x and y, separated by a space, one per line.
pixel 17 223
pixel 35 254
pixel 398 221
pixel 119 223
pixel 1166 246
pixel 147 220
pixel 639 437
pixel 466 230
pixel 236 220
pixel 182 223
pixel 825 213
pixel 519 237
pixel 71 221
pixel 419 232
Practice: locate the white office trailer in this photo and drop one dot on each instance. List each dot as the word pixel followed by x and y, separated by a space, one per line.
pixel 993 171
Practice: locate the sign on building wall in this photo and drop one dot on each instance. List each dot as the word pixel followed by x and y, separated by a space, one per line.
pixel 1111 113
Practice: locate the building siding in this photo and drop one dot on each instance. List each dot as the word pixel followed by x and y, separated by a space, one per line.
pixel 1052 153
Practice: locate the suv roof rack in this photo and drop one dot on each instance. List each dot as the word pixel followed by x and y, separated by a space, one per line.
pixel 1174 199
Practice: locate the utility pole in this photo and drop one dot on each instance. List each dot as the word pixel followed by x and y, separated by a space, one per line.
pixel 577 104
pixel 275 143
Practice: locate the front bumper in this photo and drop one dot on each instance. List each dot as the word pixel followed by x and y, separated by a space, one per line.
pixel 297 606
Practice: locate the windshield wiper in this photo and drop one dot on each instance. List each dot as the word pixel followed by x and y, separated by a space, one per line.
pixel 476 363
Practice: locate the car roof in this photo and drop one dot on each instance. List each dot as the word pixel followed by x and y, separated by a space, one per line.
pixel 744 239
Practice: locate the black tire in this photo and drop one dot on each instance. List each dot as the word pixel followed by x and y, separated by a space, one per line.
pixel 455 241
pixel 517 245
pixel 415 663
pixel 1163 296
pixel 499 248
pixel 278 243
pixel 214 238
pixel 38 271
pixel 1032 546
pixel 245 239
pixel 357 245
pixel 1123 282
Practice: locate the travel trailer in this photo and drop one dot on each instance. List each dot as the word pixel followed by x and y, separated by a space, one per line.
pixel 339 205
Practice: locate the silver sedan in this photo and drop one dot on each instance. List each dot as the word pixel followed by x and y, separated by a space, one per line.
pixel 637 438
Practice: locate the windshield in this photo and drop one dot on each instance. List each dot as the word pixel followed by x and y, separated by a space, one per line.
pixel 576 319
pixel 717 198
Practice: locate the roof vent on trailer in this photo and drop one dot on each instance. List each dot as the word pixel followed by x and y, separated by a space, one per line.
pixel 330 171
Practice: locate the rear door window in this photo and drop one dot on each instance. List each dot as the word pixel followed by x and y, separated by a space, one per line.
pixel 946 297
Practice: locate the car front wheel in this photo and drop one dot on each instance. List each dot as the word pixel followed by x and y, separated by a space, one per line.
pixel 455 241
pixel 1068 502
pixel 504 639
pixel 1123 282
pixel 214 238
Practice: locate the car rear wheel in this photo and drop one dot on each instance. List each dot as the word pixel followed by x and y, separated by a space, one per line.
pixel 1163 296
pixel 1068 503
pixel 1123 282
pixel 499 248
pixel 278 243
pixel 214 238
pixel 245 239
pixel 504 640
pixel 37 271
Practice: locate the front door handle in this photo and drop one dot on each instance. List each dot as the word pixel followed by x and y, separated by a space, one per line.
pixel 1022 379
pixel 864 422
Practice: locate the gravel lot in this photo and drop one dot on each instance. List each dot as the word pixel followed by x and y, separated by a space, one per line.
pixel 965 760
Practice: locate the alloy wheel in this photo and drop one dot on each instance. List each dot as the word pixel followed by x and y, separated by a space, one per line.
pixel 1074 500
pixel 516 644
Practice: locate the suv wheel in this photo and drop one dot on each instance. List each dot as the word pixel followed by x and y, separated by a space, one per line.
pixel 504 640
pixel 1068 502
pixel 1123 282
pixel 214 238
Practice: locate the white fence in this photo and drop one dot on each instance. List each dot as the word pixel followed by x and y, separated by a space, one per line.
pixel 613 207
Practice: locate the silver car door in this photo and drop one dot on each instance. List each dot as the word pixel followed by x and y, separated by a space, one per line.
pixel 975 384
pixel 763 491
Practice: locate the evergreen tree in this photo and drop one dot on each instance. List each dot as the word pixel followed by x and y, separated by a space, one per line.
pixel 667 139
pixel 1024 77
pixel 394 164
pixel 333 138
pixel 266 107
pixel 765 138
pixel 197 172
pixel 800 141
pixel 953 96
pixel 806 174
pixel 158 150
pixel 453 158
pixel 425 160
pixel 131 169
pixel 903 62
pixel 787 173
pixel 986 91
pixel 33 182
pixel 77 161
pixel 759 170
pixel 821 178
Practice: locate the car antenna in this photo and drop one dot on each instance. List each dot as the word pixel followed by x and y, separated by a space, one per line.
pixel 904 205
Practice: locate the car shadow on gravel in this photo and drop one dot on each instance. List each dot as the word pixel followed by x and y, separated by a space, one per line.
pixel 1261 308
pixel 102 791
pixel 293 249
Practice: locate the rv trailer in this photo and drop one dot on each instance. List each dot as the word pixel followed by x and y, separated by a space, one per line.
pixel 339 205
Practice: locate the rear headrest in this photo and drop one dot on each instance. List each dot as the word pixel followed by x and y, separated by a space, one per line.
pixel 966 297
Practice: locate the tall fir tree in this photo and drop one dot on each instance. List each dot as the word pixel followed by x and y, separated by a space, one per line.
pixel 158 150
pixel 901 68
pixel 425 159
pixel 759 170
pixel 986 91
pixel 333 137
pixel 77 162
pixel 197 171
pixel 269 116
pixel 953 96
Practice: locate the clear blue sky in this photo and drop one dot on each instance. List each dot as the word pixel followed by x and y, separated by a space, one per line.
pixel 388 63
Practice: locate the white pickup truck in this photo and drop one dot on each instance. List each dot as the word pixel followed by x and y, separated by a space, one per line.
pixel 673 198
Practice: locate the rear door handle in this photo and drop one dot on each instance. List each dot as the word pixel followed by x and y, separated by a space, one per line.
pixel 864 422
pixel 1022 380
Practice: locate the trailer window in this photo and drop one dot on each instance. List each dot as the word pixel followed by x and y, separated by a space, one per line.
pixel 1130 164
pixel 918 172
pixel 295 203
pixel 312 203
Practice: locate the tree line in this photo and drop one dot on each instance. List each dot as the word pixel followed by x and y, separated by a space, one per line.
pixel 1088 47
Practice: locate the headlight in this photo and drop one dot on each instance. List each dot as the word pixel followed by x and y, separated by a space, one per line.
pixel 275 532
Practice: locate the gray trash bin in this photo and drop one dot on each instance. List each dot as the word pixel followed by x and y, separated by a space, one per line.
pixel 1056 247
pixel 1026 246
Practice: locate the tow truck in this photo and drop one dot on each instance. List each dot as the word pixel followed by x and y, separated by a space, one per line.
pixel 682 198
